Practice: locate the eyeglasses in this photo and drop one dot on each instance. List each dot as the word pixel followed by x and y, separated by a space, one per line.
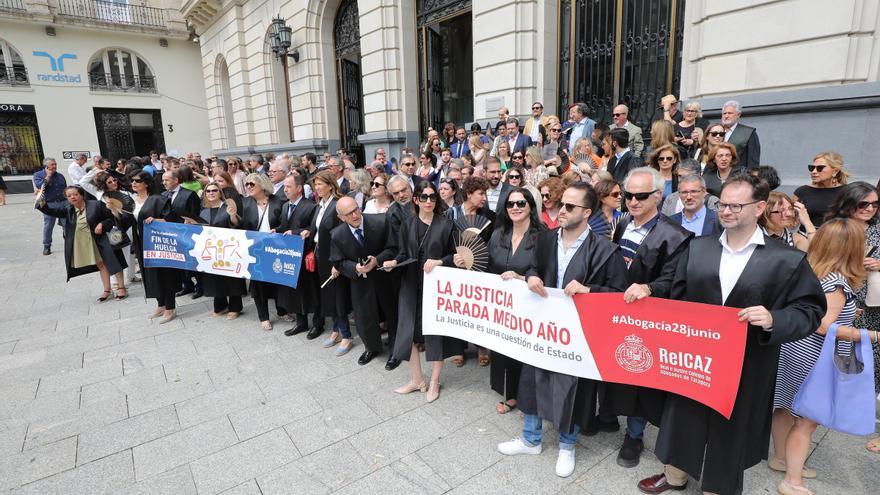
pixel 407 164
pixel 617 114
pixel 514 177
pixel 666 158
pixel 537 108
pixel 640 196
pixel 424 198
pixel 556 130
pixel 211 191
pixel 782 210
pixel 686 110
pixel 569 207
pixel 615 194
pixel 817 168
pixel 690 192
pixel 249 184
pixel 519 204
pixel 545 196
pixel 136 181
pixel 352 212
pixel 716 133
pixel 734 207
pixel 864 205
pixel 377 185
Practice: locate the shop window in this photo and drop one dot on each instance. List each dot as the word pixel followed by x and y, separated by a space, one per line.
pixel 12 71
pixel 116 69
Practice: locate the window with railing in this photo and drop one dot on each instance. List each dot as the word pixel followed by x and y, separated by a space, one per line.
pixel 14 5
pixel 12 71
pixel 115 69
pixel 117 12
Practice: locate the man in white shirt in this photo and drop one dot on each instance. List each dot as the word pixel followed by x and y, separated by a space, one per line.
pixel 77 168
pixel 583 126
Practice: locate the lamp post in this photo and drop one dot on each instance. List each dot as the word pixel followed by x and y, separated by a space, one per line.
pixel 279 42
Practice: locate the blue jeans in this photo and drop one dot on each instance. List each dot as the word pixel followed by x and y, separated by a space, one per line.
pixel 49 222
pixel 341 325
pixel 532 433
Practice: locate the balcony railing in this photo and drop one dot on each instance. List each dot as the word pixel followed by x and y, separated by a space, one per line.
pixel 14 5
pixel 105 81
pixel 116 13
pixel 13 76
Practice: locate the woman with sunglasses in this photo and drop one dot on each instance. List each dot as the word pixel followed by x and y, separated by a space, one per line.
pixel 380 197
pixel 686 135
pixel 827 178
pixel 555 150
pixel 427 238
pixel 427 164
pixel 104 183
pixel 226 291
pixel 777 219
pixel 713 137
pixel 610 198
pixel 551 190
pixel 721 164
pixel 665 159
pixel 510 256
pixel 261 212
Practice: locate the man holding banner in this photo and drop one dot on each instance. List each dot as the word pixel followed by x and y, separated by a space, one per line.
pixel 572 258
pixel 783 302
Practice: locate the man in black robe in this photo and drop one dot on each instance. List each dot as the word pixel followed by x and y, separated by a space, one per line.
pixel 782 302
pixel 575 259
pixel 399 211
pixel 358 246
pixel 185 204
pixel 296 216
pixel 651 245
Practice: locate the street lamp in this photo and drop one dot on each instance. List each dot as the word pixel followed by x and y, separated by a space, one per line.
pixel 279 40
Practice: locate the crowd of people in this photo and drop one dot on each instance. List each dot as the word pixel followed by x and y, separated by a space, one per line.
pixel 689 214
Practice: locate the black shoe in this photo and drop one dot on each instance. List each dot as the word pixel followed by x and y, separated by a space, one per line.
pixel 597 425
pixel 366 357
pixel 197 295
pixel 391 364
pixel 46 251
pixel 314 332
pixel 630 452
pixel 183 292
pixel 296 330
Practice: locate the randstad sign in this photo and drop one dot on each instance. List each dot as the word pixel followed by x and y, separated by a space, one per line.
pixel 56 65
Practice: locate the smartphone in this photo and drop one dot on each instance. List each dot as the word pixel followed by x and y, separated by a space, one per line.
pixel 871 250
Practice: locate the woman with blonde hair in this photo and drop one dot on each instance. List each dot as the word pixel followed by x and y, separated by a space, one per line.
pixel 380 197
pixel 360 186
pixel 502 153
pixel 218 212
pixel 713 136
pixel 827 178
pixel 261 211
pixel 777 219
pixel 662 133
pixel 836 254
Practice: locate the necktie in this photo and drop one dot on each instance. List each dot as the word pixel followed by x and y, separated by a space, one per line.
pixel 359 236
pixel 290 209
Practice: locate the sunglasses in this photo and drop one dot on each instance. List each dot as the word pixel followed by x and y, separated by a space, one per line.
pixel 537 108
pixel 569 207
pixel 615 194
pixel 517 157
pixel 517 176
pixel 666 158
pixel 249 184
pixel 617 114
pixel 555 130
pixel 638 196
pixel 716 133
pixel 377 184
pixel 817 168
pixel 424 198
pixel 864 205
pixel 545 196
pixel 209 191
pixel 519 204
pixel 137 181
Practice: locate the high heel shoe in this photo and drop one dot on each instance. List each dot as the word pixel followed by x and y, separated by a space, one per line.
pixel 786 488
pixel 411 387
pixel 104 296
pixel 433 392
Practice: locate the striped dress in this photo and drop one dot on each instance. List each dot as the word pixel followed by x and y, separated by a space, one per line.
pixel 796 359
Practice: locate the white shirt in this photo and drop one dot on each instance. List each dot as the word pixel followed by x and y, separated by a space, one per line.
pixel 493 194
pixel 728 133
pixel 511 141
pixel 322 207
pixel 75 172
pixel 263 218
pixel 734 262
pixel 536 132
pixel 173 193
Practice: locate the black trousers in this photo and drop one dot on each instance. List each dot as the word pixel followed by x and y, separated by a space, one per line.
pixel 232 303
pixel 166 301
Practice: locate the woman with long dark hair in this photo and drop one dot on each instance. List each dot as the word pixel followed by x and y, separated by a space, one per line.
pixel 510 254
pixel 426 237
pixel 219 211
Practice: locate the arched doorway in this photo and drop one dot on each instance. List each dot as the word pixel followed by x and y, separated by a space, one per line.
pixel 347 47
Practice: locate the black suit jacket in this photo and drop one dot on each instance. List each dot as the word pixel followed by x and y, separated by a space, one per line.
pixel 300 220
pixel 186 204
pixel 619 168
pixel 522 144
pixel 346 251
pixel 250 215
pixel 748 147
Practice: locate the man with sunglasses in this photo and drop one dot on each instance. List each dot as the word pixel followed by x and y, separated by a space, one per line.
pixel 651 245
pixel 534 123
pixel 574 259
pixel 783 302
pixel 745 138
pixel 620 117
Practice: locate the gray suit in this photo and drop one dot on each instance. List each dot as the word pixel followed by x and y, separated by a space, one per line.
pixel 636 143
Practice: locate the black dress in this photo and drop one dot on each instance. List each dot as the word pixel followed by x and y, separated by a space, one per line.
pixel 422 242
pixel 159 283
pixel 817 200
pixel 218 286
pixel 504 372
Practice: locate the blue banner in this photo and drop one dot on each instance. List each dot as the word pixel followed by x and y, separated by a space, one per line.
pixel 273 258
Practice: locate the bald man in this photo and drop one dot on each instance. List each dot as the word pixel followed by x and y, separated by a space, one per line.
pixel 620 117
pixel 358 246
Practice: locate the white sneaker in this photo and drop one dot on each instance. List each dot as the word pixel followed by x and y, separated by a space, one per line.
pixel 565 463
pixel 518 447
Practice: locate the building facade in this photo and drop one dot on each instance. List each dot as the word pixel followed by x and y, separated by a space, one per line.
pixel 96 77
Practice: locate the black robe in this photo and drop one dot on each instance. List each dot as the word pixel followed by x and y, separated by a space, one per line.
pixel 303 299
pixel 394 217
pixel 96 213
pixel 218 285
pixel 566 400
pixel 157 281
pixel 335 298
pixel 186 204
pixel 437 244
pixel 694 437
pixel 345 253
pixel 654 264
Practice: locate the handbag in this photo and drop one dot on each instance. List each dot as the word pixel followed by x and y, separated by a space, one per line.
pixel 310 263
pixel 118 238
pixel 838 393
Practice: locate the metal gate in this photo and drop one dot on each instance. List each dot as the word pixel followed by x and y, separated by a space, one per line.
pixel 21 152
pixel 620 51
pixel 347 45
pixel 116 137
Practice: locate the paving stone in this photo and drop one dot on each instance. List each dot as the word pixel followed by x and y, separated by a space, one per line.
pixel 339 464
pixel 97 372
pixel 105 476
pixel 390 480
pixel 126 434
pixel 250 488
pixel 234 465
pixel 182 447
pixel 398 436
pixel 175 482
pixel 48 406
pixel 167 394
pixel 273 414
pixel 464 453
pixel 331 425
pixel 12 440
pixel 287 478
pixel 38 463
pixel 88 416
pixel 217 404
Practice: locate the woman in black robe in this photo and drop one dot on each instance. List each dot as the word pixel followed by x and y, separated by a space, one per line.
pixel 226 291
pixel 86 247
pixel 426 237
pixel 159 283
pixel 510 255
pixel 261 212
